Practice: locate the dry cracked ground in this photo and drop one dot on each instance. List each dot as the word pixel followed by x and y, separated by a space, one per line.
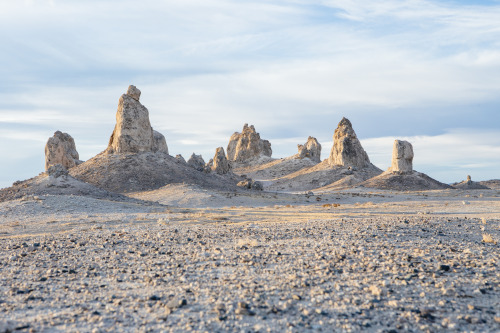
pixel 413 264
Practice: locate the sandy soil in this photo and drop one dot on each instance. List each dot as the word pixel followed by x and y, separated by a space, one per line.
pixel 355 260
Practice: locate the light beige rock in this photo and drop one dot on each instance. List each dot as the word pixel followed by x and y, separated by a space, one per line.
pixel 247 145
pixel 402 157
pixel 221 164
pixel 133 132
pixel 61 149
pixel 159 143
pixel 311 149
pixel 347 150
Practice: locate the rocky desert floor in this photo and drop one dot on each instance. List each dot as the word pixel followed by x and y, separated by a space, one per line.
pixel 199 260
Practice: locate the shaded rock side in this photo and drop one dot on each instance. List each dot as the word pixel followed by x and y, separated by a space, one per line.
pixel 61 149
pixel 133 132
pixel 159 143
pixel 402 157
pixel 347 150
pixel 311 149
pixel 247 145
pixel 197 162
pixel 221 164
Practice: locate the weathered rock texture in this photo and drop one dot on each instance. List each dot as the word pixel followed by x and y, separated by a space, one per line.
pixel 402 157
pixel 159 143
pixel 247 145
pixel 469 184
pixel 197 162
pixel 311 149
pixel 180 158
pixel 133 132
pixel 61 149
pixel 347 150
pixel 221 164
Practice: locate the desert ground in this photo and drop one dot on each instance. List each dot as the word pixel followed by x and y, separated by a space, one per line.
pixel 183 258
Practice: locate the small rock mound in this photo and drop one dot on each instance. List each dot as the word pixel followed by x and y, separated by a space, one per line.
pixel 247 145
pixel 347 150
pixel 133 132
pixel 469 185
pixel 221 164
pixel 197 162
pixel 311 149
pixel 251 184
pixel 402 157
pixel 61 149
pixel 180 159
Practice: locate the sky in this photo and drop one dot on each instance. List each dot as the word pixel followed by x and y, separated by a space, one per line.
pixel 423 71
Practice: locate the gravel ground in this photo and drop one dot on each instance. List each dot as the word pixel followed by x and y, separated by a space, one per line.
pixel 248 270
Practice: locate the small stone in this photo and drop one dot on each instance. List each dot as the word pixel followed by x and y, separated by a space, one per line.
pixel 443 267
pixel 176 303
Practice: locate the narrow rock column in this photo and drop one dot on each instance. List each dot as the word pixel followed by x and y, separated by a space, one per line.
pixel 402 157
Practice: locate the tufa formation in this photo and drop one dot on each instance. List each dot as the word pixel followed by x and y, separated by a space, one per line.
pixel 347 150
pixel 220 165
pixel 311 149
pixel 133 132
pixel 61 149
pixel 196 162
pixel 247 145
pixel 402 157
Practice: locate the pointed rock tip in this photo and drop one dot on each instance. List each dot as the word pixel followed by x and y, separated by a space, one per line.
pixel 133 92
pixel 345 122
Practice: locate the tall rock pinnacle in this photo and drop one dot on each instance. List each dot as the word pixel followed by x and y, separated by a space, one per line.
pixel 347 150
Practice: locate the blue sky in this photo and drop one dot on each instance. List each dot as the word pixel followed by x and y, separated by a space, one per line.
pixel 425 71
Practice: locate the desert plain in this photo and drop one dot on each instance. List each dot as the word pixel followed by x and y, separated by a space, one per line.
pixel 136 240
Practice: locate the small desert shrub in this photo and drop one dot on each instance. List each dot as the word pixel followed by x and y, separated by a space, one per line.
pixel 488 239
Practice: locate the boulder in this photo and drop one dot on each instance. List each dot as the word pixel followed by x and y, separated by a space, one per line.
pixel 133 132
pixel 61 149
pixel 159 143
pixel 251 184
pixel 221 164
pixel 402 157
pixel 347 150
pixel 196 162
pixel 311 149
pixel 247 145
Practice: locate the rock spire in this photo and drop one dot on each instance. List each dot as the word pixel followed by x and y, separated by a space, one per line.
pixel 247 145
pixel 61 149
pixel 402 157
pixel 347 150
pixel 311 149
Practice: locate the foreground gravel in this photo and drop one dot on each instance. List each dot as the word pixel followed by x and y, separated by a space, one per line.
pixel 382 274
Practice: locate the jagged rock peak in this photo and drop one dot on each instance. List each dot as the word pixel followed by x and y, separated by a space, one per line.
pixel 61 149
pixel 347 150
pixel 311 149
pixel 221 164
pixel 402 157
pixel 247 145
pixel 133 132
pixel 180 159
pixel 197 162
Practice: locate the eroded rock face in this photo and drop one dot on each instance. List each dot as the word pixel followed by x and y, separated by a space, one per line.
pixel 402 157
pixel 133 132
pixel 247 145
pixel 61 149
pixel 347 150
pixel 180 158
pixel 311 149
pixel 57 170
pixel 221 164
pixel 159 143
pixel 196 162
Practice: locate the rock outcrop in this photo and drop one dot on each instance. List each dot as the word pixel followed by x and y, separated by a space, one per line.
pixel 61 149
pixel 133 132
pixel 347 150
pixel 196 162
pixel 180 159
pixel 159 143
pixel 311 149
pixel 469 184
pixel 247 145
pixel 221 164
pixel 251 184
pixel 402 157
